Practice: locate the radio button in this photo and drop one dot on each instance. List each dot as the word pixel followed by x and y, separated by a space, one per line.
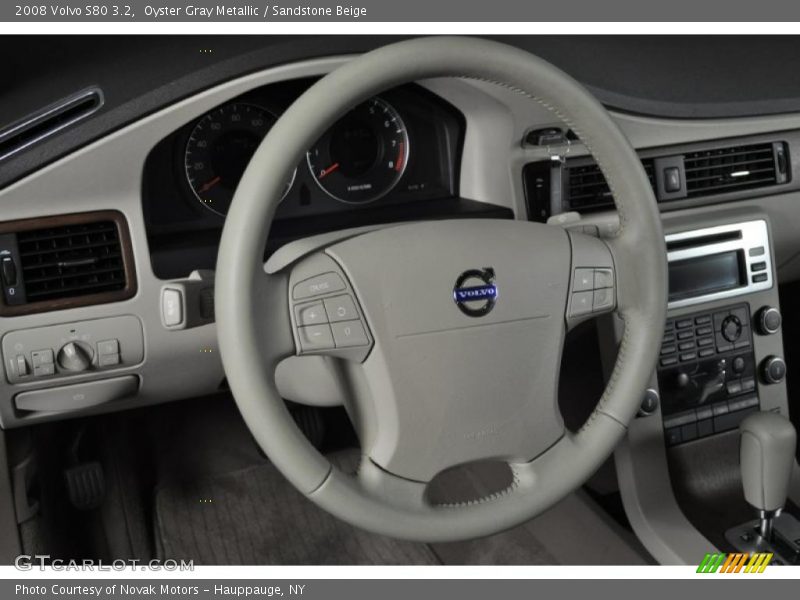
pixel 686 346
pixel 734 387
pixel 731 328
pixel 706 352
pixel 759 266
pixel 704 330
pixel 761 277
pixel 685 335
pixel 748 385
pixel 703 342
pixel 702 320
pixel 669 361
pixel 688 356
pixel 667 349
pixel 757 251
pixel 683 323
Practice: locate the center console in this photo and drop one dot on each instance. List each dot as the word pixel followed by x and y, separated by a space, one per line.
pixel 721 361
pixel 708 372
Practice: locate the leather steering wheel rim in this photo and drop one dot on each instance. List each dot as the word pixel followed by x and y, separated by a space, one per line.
pixel 254 317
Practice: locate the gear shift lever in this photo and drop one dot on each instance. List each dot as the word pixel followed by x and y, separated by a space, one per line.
pixel 768 442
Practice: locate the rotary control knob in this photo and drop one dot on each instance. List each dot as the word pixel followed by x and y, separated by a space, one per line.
pixel 75 356
pixel 731 328
pixel 769 320
pixel 773 369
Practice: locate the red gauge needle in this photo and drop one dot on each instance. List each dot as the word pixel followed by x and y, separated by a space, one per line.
pixel 329 170
pixel 209 184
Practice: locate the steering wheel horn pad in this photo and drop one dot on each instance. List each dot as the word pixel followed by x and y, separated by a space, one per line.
pixel 434 386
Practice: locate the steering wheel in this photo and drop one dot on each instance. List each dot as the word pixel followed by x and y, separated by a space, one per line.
pixel 450 333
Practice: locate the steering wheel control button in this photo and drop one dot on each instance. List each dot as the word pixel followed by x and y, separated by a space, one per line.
pixel 317 286
pixel 340 308
pixel 583 281
pixel 603 278
pixel 314 338
pixel 582 303
pixel 603 299
pixel 172 307
pixel 347 334
pixel 311 314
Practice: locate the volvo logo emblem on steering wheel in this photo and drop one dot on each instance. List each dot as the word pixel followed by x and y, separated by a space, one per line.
pixel 475 293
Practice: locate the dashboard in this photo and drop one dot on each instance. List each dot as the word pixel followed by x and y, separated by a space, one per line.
pixel 111 225
pixel 444 148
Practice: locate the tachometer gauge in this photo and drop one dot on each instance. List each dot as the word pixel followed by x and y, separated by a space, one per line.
pixel 219 149
pixel 363 156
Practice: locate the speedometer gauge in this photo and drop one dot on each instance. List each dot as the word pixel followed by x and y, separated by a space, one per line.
pixel 219 149
pixel 363 156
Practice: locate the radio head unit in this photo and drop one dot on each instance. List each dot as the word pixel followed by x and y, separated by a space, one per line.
pixel 718 263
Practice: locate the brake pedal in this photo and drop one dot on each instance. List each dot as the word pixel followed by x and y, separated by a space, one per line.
pixel 86 485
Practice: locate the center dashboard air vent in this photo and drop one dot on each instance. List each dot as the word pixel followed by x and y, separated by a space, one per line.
pixel 587 190
pixel 719 172
pixel 733 168
pixel 67 261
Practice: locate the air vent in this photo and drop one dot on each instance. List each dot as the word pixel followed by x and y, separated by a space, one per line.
pixel 734 168
pixel 49 121
pixel 587 189
pixel 65 261
pixel 71 261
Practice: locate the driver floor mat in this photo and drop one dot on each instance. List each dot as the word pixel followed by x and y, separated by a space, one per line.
pixel 255 517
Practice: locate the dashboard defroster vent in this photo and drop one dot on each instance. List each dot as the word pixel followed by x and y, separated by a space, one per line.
pixel 67 261
pixel 734 168
pixel 587 190
pixel 48 121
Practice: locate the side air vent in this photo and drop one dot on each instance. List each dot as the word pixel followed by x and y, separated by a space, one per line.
pixel 587 190
pixel 733 169
pixel 50 120
pixel 67 261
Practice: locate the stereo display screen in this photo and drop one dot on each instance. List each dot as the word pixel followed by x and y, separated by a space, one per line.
pixel 706 275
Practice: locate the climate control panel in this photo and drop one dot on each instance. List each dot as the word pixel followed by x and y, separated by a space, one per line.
pixel 708 374
pixel 39 354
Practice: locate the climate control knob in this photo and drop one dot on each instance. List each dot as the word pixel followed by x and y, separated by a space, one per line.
pixel 773 369
pixel 769 320
pixel 75 356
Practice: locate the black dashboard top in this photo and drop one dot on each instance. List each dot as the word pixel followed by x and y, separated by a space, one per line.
pixel 669 76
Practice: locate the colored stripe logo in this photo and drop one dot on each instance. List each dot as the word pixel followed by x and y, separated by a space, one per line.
pixel 737 562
